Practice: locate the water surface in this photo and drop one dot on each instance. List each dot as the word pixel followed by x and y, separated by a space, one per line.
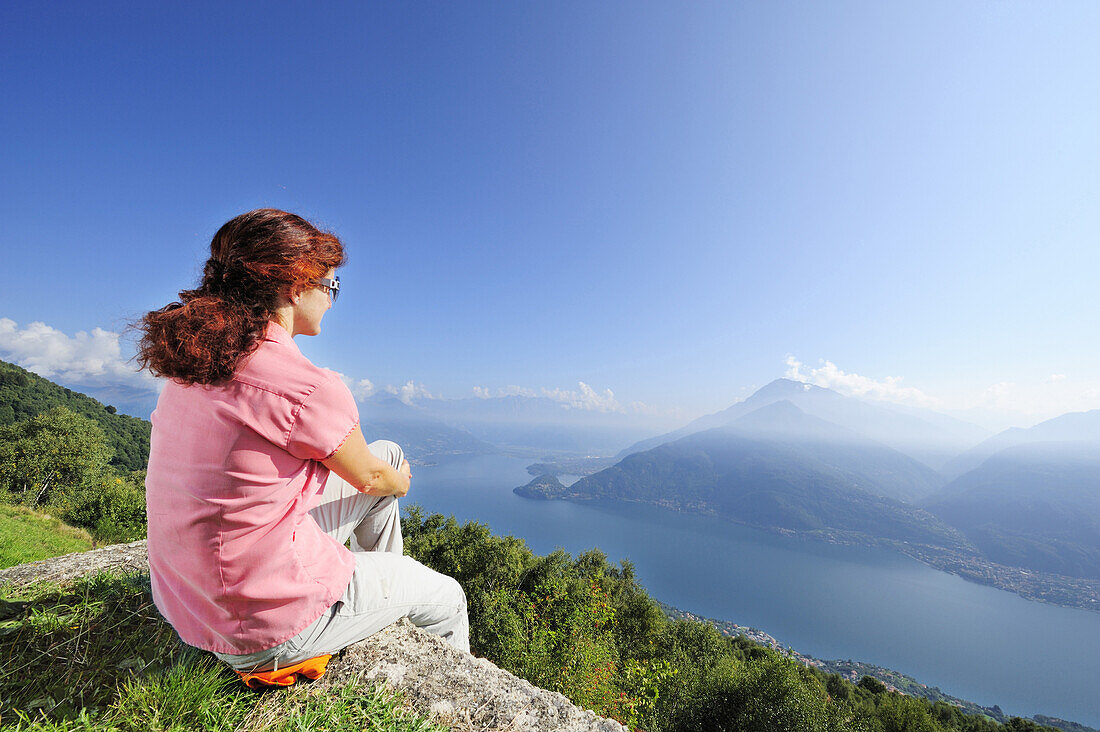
pixel 881 607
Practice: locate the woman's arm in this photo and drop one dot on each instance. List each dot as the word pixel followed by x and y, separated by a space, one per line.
pixel 355 463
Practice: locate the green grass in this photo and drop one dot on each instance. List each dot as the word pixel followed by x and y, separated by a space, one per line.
pixel 26 536
pixel 95 655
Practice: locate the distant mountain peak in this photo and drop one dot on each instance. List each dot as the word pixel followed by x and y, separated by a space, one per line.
pixel 925 435
pixel 783 387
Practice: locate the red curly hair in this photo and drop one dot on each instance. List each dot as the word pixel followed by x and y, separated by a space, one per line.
pixel 255 257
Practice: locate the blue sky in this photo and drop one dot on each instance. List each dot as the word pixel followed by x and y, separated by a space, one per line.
pixel 677 202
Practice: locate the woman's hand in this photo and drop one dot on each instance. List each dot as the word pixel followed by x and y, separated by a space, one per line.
pixel 355 463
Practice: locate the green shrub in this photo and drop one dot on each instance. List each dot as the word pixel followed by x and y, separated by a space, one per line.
pixel 898 713
pixel 113 510
pixel 773 694
pixel 871 684
pixel 570 647
pixel 640 684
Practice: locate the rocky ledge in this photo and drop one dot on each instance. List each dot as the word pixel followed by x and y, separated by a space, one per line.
pixel 454 688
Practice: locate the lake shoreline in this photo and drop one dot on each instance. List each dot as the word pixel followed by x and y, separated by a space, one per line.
pixel 854 670
pixel 1052 589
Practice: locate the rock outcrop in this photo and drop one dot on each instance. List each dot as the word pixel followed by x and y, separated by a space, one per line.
pixel 117 558
pixel 454 688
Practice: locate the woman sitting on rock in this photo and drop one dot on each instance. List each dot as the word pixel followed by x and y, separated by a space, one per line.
pixel 259 473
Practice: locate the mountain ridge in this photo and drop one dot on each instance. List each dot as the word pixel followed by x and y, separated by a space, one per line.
pixel 24 394
pixel 1072 426
pixel 1033 505
pixel 907 433
pixel 748 477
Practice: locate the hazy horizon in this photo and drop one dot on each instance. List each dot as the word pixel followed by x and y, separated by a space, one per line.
pixel 112 380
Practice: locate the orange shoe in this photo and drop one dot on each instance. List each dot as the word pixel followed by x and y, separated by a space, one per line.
pixel 312 668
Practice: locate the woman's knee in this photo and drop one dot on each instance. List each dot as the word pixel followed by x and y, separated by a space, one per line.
pixel 449 590
pixel 457 592
pixel 388 451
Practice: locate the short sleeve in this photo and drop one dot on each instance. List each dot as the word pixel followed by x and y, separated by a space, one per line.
pixel 323 421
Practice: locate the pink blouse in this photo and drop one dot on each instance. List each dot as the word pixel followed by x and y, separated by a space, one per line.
pixel 237 563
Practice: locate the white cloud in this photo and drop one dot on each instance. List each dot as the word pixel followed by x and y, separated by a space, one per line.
pixel 410 391
pixel 360 388
pixel 888 389
pixel 89 359
pixel 1055 378
pixel 585 398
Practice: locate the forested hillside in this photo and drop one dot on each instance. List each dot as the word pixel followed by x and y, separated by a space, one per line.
pixel 799 482
pixel 24 395
pixel 1032 505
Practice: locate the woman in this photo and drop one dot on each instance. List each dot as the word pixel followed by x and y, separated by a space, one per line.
pixel 259 473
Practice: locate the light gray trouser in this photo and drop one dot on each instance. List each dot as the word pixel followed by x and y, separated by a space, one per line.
pixel 385 586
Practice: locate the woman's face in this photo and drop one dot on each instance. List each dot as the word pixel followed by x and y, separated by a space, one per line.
pixel 312 304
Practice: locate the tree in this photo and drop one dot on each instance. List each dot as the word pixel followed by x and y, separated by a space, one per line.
pixel 47 457
pixel 837 687
pixel 897 713
pixel 873 685
pixel 772 694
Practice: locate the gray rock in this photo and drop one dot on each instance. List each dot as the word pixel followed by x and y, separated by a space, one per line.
pixel 118 558
pixel 454 688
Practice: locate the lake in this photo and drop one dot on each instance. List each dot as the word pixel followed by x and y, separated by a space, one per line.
pixel 974 642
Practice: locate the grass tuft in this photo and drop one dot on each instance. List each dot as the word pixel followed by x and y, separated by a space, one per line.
pixel 96 655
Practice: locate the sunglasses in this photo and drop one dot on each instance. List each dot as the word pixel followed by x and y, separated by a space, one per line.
pixel 332 286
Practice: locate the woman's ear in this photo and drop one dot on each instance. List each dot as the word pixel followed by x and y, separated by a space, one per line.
pixel 290 295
